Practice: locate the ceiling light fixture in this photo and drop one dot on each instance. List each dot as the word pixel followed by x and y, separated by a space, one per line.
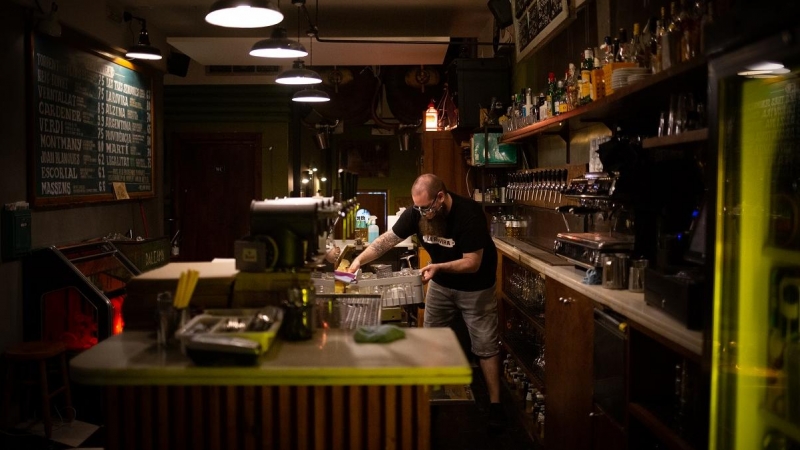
pixel 311 96
pixel 278 46
pixel 244 14
pixel 142 49
pixel 298 75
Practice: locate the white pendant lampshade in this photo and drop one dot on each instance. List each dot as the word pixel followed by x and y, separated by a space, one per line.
pixel 298 75
pixel 244 14
pixel 311 96
pixel 278 46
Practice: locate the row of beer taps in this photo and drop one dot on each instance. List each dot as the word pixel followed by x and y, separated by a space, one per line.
pixel 538 186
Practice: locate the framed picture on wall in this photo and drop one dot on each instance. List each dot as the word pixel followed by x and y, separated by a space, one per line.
pixel 537 21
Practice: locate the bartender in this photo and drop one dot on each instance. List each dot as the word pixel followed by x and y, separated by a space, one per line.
pixel 453 230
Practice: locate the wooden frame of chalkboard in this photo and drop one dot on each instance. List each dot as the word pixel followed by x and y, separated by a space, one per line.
pixel 538 21
pixel 91 125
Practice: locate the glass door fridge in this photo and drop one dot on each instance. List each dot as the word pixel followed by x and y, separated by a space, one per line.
pixel 755 91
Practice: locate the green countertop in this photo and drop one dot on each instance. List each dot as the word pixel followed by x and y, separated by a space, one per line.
pixel 427 356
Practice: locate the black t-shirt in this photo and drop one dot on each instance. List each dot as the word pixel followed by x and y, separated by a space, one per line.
pixel 466 233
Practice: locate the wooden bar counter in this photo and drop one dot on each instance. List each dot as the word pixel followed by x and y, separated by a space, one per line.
pixel 326 393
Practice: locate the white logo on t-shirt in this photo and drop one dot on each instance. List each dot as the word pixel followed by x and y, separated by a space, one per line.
pixel 444 242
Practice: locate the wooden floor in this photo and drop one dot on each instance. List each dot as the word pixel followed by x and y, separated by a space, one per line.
pixel 465 425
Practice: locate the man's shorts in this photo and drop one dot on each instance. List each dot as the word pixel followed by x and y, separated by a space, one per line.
pixel 478 308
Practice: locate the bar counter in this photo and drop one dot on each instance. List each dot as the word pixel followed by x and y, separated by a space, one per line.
pixel 629 304
pixel 325 393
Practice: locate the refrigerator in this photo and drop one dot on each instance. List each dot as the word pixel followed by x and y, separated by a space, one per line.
pixel 754 97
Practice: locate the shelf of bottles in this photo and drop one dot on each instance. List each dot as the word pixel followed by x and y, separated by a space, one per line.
pixel 528 396
pixel 665 48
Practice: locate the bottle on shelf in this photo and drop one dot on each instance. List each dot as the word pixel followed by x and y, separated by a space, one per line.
pixel 607 49
pixel 636 49
pixel 551 95
pixel 623 47
pixel 670 44
pixel 571 88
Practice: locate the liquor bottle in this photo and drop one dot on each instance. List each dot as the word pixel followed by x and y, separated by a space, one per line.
pixel 607 50
pixel 529 105
pixel 559 102
pixel 623 47
pixel 585 84
pixel 670 43
pixel 571 87
pixel 636 48
pixel 646 40
pixel 705 20
pixel 551 95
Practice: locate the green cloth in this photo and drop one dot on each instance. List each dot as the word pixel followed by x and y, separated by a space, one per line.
pixel 379 334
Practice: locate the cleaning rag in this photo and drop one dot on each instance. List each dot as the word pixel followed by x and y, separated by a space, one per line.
pixel 380 334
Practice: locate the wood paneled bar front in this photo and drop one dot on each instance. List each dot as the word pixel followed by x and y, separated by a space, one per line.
pixel 325 393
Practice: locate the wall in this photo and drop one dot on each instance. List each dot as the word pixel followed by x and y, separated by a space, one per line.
pixel 403 165
pixel 62 225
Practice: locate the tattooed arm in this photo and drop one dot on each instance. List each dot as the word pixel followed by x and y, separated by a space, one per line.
pixel 377 248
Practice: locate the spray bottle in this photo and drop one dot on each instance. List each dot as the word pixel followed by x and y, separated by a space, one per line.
pixel 373 229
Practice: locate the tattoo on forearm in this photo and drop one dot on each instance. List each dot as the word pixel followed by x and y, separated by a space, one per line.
pixel 384 243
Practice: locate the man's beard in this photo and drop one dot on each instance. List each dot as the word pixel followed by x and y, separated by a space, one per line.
pixel 436 226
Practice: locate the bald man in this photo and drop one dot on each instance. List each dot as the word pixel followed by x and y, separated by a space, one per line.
pixel 462 273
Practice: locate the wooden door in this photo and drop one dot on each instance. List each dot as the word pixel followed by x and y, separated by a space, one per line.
pixel 569 331
pixel 442 155
pixel 215 178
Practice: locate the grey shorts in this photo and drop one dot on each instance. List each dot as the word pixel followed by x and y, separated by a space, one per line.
pixel 478 308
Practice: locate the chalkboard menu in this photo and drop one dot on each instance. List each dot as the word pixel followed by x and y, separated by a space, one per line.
pixel 91 126
pixel 537 21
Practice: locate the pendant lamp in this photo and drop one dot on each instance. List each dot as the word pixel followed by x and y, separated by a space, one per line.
pixel 311 96
pixel 298 75
pixel 244 14
pixel 142 49
pixel 278 46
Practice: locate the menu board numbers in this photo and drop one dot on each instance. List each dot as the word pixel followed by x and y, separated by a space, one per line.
pixel 92 126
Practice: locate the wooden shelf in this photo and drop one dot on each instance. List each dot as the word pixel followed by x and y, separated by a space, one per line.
pixel 538 322
pixel 518 355
pixel 687 137
pixel 528 423
pixel 657 427
pixel 607 107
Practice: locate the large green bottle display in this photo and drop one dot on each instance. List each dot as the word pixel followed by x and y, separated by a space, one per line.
pixel 755 401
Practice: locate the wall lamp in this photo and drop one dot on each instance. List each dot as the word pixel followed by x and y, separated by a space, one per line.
pixel 142 49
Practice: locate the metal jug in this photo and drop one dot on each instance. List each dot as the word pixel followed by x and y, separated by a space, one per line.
pixel 615 271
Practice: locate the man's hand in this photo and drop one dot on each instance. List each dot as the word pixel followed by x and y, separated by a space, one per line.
pixel 428 272
pixel 354 265
pixel 469 263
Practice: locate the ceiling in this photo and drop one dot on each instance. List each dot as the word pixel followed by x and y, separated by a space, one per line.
pixel 183 25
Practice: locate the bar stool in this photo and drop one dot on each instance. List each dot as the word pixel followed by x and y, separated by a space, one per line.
pixel 35 355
